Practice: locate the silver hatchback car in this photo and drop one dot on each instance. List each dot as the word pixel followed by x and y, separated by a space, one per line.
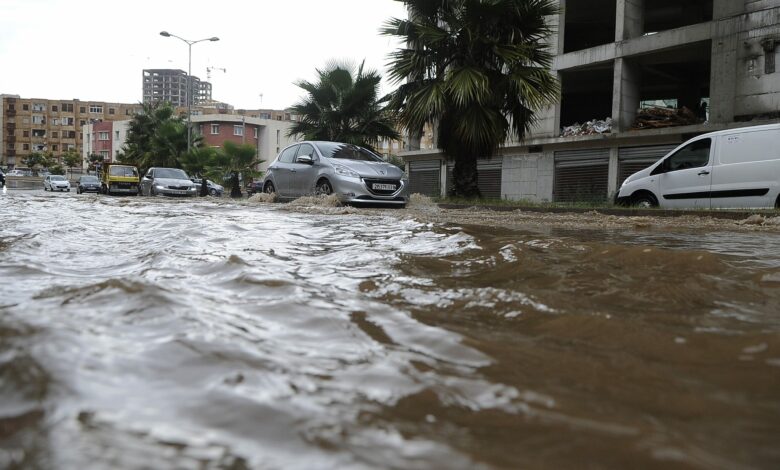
pixel 354 174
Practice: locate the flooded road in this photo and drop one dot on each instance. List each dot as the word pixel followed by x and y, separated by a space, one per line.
pixel 155 333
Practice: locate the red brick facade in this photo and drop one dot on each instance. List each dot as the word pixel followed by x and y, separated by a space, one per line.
pixel 226 130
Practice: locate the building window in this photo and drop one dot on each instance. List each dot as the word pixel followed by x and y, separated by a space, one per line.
pixel 67 121
pixel 214 129
pixel 116 135
pixel 54 108
pixel 11 107
pixel 55 122
pixel 102 135
pixel 39 107
pixel 67 107
pixel 93 108
pixel 82 122
pixel 25 107
pixel 82 109
pixel 111 110
pixel 25 146
pixel 54 147
pixel 277 138
pixel 55 134
pixel 104 154
pixel 25 133
pixel 256 133
pixel 238 130
pixel 38 120
pixel 39 133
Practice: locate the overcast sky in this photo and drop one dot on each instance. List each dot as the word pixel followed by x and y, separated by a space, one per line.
pixel 96 50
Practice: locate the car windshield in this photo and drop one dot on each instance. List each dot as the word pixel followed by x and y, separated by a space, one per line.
pixel 346 152
pixel 171 173
pixel 89 179
pixel 122 171
pixel 57 178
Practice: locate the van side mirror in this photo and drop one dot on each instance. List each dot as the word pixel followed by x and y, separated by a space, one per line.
pixel 661 168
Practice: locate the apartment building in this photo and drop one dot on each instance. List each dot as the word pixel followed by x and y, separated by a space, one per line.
pixel 170 85
pixel 615 58
pixel 30 125
pixel 104 138
pixel 268 136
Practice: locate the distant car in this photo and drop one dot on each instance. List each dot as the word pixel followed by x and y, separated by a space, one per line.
pixel 167 182
pixel 56 183
pixel 17 172
pixel 88 184
pixel 254 187
pixel 214 188
pixel 352 173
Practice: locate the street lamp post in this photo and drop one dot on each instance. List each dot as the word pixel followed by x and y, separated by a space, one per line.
pixel 188 93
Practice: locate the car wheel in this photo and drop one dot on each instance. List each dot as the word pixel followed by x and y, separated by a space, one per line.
pixel 323 188
pixel 644 200
pixel 269 188
pixel 44 188
pixel 213 192
pixel 152 191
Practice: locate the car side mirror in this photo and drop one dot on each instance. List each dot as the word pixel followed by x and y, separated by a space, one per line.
pixel 305 159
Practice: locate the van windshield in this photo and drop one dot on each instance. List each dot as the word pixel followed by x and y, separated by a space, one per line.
pixel 122 171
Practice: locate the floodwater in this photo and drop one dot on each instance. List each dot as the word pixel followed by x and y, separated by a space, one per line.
pixel 155 333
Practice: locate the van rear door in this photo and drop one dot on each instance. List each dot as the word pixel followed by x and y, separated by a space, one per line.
pixel 686 176
pixel 747 169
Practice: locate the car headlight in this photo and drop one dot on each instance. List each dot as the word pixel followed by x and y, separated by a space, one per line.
pixel 341 170
pixel 159 186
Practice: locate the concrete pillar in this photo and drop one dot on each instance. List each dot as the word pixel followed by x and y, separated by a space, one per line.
pixel 727 8
pixel 561 26
pixel 629 19
pixel 625 94
pixel 723 78
pixel 612 183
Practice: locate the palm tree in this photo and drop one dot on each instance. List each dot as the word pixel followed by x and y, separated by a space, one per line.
pixel 342 106
pixel 198 161
pixel 236 162
pixel 478 69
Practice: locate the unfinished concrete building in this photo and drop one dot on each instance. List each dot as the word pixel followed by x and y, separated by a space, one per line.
pixel 662 71
pixel 170 85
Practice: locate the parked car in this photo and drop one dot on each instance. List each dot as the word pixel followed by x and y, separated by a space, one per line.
pixel 254 187
pixel 167 182
pixel 214 188
pixel 56 183
pixel 354 174
pixel 18 172
pixel 87 184
pixel 735 168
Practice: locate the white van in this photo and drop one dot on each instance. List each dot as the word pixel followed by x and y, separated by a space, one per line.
pixel 735 168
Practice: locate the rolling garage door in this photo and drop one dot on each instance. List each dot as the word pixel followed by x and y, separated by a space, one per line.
pixel 581 175
pixel 488 177
pixel 633 159
pixel 425 177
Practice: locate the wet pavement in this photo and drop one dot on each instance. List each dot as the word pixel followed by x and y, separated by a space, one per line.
pixel 210 333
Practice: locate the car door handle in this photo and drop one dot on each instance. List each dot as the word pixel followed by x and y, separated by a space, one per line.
pixel 704 172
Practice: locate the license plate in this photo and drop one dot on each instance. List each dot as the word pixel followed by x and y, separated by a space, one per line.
pixel 383 187
pixel 177 191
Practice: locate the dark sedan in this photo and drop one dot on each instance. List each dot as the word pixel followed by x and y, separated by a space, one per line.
pixel 254 187
pixel 88 184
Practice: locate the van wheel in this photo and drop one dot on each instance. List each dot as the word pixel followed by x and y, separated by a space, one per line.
pixel 644 200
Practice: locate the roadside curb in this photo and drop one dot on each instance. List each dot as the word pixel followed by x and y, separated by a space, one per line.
pixel 724 214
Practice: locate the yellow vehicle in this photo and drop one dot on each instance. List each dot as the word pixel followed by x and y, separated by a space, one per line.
pixel 119 179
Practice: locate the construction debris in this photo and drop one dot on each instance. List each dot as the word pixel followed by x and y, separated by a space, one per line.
pixel 657 117
pixel 595 126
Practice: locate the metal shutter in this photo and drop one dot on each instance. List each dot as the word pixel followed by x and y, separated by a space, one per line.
pixel 633 159
pixel 581 175
pixel 488 177
pixel 425 177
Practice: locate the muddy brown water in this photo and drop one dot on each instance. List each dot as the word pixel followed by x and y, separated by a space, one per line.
pixel 154 333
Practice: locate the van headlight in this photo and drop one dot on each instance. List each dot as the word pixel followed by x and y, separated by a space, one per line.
pixel 341 170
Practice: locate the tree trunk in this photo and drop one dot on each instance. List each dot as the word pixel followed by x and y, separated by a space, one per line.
pixel 235 189
pixel 465 177
pixel 204 188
